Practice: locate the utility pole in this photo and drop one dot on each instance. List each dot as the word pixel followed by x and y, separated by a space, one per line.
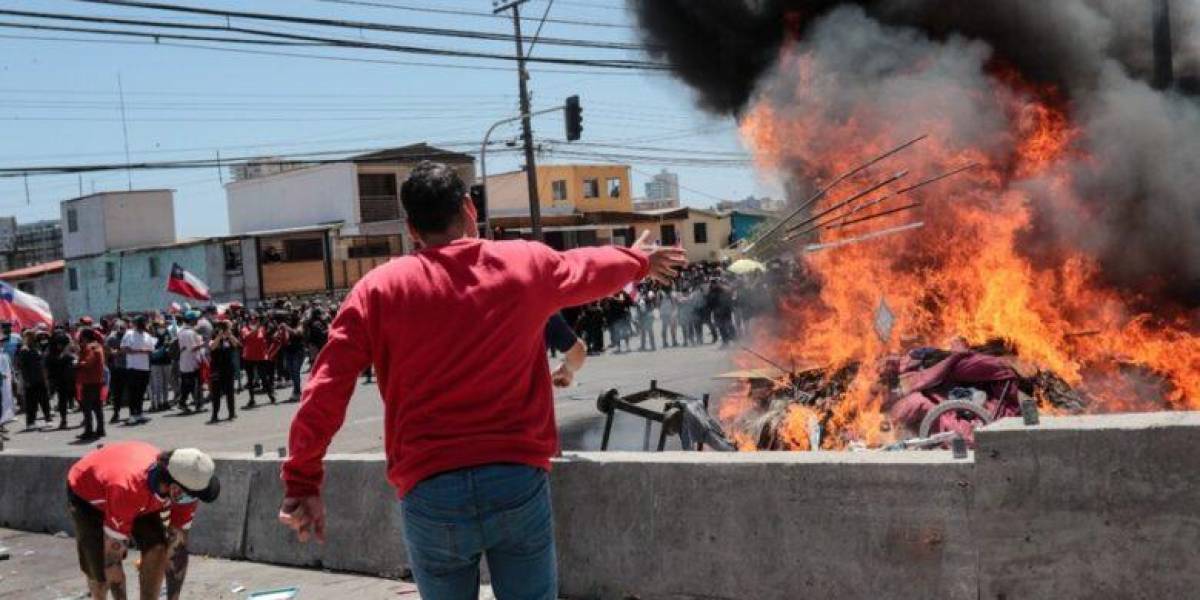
pixel 535 207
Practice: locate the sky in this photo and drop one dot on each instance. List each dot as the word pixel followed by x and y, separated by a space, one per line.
pixel 60 100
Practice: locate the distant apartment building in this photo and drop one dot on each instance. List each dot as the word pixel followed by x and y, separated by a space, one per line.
pixel 562 189
pixel 322 227
pixel 663 188
pixel 580 205
pixel 24 245
pixel 38 243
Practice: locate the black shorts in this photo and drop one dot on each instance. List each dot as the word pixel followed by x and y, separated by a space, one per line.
pixel 148 531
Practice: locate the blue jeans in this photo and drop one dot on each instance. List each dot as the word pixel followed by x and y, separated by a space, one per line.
pixel 499 511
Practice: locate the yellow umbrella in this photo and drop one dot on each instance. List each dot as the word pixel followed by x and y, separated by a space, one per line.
pixel 746 265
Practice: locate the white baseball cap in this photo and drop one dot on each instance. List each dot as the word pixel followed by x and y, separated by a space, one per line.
pixel 193 471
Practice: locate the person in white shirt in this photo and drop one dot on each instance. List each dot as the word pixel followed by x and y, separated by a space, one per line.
pixel 137 346
pixel 191 355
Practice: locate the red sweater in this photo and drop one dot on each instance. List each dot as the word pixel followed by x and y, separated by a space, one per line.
pixel 456 336
pixel 254 344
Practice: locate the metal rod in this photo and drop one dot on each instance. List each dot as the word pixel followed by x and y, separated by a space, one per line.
pixel 762 358
pixel 863 238
pixel 646 437
pixel 607 430
pixel 830 223
pixel 870 190
pixel 821 192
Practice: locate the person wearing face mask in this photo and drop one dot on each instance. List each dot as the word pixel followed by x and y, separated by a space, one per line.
pixel 115 497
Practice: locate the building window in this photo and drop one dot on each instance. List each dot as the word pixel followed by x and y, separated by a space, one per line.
pixel 27 287
pixel 110 272
pixel 72 221
pixel 377 199
pixel 153 264
pixel 303 250
pixel 668 236
pixel 700 232
pixel 614 187
pixel 72 279
pixel 591 188
pixel 232 252
pixel 559 187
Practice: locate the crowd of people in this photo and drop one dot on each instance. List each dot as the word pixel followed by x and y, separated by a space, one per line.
pixel 706 304
pixel 178 360
pixel 190 359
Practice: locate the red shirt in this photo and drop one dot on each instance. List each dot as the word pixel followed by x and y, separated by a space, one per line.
pixel 456 336
pixel 254 343
pixel 115 479
pixel 90 370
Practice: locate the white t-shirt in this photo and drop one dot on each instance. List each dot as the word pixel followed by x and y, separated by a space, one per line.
pixel 138 340
pixel 189 354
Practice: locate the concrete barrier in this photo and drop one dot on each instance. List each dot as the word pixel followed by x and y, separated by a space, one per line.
pixel 1089 507
pixel 33 492
pixel 220 527
pixel 362 520
pixel 800 525
pixel 1080 507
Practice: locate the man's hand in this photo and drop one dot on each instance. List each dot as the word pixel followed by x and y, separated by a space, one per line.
pixel 562 376
pixel 663 260
pixel 306 516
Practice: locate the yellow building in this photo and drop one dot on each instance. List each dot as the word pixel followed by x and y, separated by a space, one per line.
pixel 563 189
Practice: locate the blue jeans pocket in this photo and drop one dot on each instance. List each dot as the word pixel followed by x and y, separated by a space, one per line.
pixel 434 546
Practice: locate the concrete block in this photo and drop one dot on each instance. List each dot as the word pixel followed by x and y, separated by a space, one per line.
pixel 1089 507
pixel 33 492
pixel 363 527
pixel 220 527
pixel 801 525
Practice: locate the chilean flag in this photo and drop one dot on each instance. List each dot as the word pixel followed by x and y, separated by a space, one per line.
pixel 185 284
pixel 24 310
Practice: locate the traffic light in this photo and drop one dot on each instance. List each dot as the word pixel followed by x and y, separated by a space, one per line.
pixel 574 119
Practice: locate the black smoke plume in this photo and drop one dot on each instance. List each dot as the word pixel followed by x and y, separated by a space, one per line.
pixel 1143 176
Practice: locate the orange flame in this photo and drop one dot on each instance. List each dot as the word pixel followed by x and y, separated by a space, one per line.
pixel 969 272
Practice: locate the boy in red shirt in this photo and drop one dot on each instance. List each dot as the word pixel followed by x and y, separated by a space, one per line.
pixel 455 333
pixel 116 494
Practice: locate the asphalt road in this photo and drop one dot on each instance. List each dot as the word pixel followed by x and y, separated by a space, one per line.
pixel 686 370
pixel 45 567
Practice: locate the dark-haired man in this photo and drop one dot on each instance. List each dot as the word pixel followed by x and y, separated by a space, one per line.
pixel 116 494
pixel 455 333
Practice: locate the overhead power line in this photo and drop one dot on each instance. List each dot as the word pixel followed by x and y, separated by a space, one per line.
pixel 350 59
pixel 468 13
pixel 362 25
pixel 291 39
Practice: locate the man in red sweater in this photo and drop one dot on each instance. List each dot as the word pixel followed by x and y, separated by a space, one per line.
pixel 455 333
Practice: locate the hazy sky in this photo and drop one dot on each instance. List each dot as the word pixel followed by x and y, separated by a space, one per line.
pixel 59 101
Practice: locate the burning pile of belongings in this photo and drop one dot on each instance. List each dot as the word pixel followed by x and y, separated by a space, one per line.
pixel 927 397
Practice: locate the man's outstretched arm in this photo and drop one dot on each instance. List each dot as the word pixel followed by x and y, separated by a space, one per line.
pixel 322 413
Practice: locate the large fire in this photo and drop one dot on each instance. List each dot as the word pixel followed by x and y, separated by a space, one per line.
pixel 979 269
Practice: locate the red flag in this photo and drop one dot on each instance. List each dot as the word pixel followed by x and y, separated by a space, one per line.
pixel 185 284
pixel 22 309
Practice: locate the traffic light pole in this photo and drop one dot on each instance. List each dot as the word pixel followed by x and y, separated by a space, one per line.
pixel 487 137
pixel 535 207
